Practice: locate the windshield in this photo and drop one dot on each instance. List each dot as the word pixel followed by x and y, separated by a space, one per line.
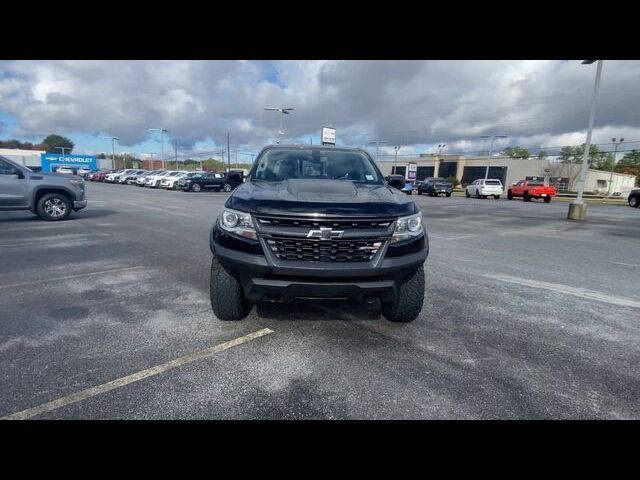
pixel 278 164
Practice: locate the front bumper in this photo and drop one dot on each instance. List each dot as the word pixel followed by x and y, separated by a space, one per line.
pixel 266 277
pixel 79 204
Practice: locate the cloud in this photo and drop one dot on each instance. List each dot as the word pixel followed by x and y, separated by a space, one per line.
pixel 413 103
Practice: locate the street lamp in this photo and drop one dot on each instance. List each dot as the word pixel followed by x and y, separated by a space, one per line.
pixel 113 151
pixel 162 132
pixel 437 162
pixel 395 163
pixel 283 112
pixel 493 137
pixel 377 143
pixel 613 164
pixel 578 209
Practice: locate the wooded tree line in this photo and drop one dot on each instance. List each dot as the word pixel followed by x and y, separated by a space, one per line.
pixel 50 144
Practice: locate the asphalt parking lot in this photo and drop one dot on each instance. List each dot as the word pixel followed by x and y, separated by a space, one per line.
pixel 527 316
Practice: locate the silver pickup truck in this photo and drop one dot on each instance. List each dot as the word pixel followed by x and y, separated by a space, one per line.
pixel 51 196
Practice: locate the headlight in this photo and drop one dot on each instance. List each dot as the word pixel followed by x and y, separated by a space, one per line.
pixel 407 227
pixel 236 222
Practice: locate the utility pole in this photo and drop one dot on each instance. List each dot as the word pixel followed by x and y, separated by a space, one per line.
pixel 228 154
pixel 493 137
pixel 613 164
pixel 162 132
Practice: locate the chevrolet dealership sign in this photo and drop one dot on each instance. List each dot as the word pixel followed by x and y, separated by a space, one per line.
pixel 52 161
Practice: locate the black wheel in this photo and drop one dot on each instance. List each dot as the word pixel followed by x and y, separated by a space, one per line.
pixel 175 186
pixel 226 187
pixel 196 187
pixel 408 302
pixel 526 197
pixel 547 199
pixel 227 299
pixel 448 194
pixel 419 192
pixel 510 195
pixel 467 194
pixel 477 194
pixel 157 183
pixel 497 197
pixel 54 207
pixel 634 202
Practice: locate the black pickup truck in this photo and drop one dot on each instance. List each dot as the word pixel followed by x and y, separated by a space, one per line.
pixel 317 222
pixel 217 181
pixel 434 186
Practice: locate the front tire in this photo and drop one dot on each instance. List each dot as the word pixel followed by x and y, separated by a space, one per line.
pixel 478 194
pixel 448 195
pixel 634 202
pixel 497 197
pixel 409 299
pixel 54 207
pixel 196 187
pixel 526 197
pixel 547 199
pixel 225 291
pixel 467 194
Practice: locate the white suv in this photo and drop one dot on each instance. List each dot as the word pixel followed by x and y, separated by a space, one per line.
pixel 171 181
pixel 482 188
pixel 153 181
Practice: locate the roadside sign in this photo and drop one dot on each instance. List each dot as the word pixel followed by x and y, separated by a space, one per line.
pixel 328 136
pixel 52 161
pixel 412 171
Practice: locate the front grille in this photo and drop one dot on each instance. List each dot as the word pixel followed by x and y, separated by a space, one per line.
pixel 315 223
pixel 324 250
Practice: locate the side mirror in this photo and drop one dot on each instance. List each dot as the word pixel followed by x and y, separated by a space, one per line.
pixel 17 173
pixel 396 181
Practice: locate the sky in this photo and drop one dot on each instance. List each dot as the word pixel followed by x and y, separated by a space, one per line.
pixel 414 104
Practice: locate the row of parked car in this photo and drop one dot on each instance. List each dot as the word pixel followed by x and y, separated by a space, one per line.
pixel 193 181
pixel 481 188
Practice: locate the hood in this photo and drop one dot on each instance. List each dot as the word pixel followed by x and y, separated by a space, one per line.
pixel 328 197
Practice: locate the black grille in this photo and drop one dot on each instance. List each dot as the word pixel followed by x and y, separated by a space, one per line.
pixel 314 223
pixel 324 250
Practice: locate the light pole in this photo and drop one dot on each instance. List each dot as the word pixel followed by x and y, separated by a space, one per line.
pixel 578 209
pixel 283 112
pixel 113 151
pixel 493 137
pixel 162 132
pixel 377 144
pixel 395 162
pixel 613 164
pixel 441 147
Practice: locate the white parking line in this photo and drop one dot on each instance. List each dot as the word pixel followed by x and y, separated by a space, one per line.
pixel 134 377
pixel 68 277
pixel 559 288
pixel 626 264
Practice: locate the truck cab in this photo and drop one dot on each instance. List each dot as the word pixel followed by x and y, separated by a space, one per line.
pixel 528 189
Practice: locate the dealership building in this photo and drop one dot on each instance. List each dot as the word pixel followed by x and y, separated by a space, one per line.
pixel 506 169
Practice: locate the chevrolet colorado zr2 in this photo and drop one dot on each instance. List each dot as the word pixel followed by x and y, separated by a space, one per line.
pixel 317 222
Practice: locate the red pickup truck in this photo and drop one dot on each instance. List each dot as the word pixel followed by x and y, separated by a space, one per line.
pixel 528 189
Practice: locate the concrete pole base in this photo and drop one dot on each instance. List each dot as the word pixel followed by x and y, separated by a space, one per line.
pixel 577 211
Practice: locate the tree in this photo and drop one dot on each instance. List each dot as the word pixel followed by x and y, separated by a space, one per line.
pixel 597 160
pixel 542 155
pixel 630 164
pixel 56 141
pixel 517 152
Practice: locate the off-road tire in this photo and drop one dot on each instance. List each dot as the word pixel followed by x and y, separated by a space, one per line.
pixel 408 302
pixel 227 299
pixel 43 209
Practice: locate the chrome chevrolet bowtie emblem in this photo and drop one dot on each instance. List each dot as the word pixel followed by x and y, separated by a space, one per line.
pixel 325 233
